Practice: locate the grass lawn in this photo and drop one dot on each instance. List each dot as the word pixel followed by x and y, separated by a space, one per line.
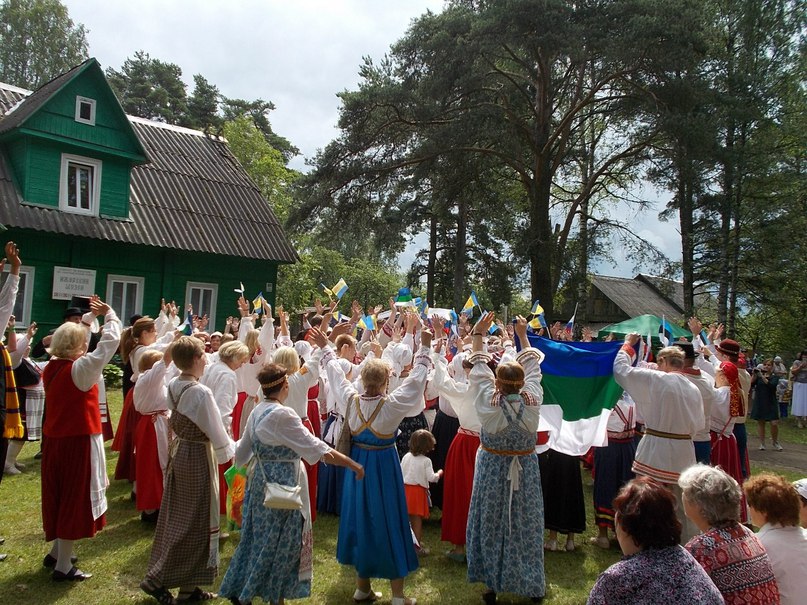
pixel 118 555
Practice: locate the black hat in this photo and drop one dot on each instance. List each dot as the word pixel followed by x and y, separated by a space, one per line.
pixel 687 348
pixel 72 312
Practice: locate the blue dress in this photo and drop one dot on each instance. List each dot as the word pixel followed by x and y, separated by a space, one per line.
pixel 266 562
pixel 505 537
pixel 374 533
pixel 330 480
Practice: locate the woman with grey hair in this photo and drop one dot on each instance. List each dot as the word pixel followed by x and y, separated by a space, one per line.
pixel 728 551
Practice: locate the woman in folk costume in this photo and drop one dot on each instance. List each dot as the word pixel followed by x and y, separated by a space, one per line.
pixel 300 380
pixel 726 407
pixel 152 433
pixel 274 558
pixel 135 341
pixel 9 405
pixel 613 466
pixel 331 479
pixel 74 476
pixel 260 344
pixel 30 394
pixel 445 424
pixel 185 552
pixel 455 397
pixel 374 532
pixel 506 519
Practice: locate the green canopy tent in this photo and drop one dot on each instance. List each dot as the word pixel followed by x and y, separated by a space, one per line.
pixel 644 325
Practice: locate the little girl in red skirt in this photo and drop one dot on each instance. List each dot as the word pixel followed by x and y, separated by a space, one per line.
pixel 417 474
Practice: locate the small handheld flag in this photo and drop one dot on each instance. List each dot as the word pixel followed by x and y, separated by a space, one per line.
pixel 339 289
pixel 187 326
pixel 367 322
pixel 472 302
pixel 570 324
pixel 665 334
pixel 257 303
pixel 404 298
pixel 537 309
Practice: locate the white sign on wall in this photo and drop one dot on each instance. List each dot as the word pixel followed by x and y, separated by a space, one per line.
pixel 69 282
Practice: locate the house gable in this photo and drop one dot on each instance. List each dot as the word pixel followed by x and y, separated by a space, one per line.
pixel 72 133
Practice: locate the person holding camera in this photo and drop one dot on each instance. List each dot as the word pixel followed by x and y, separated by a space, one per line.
pixel 765 408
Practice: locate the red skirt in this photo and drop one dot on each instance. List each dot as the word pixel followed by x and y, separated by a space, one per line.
pixel 312 470
pixel 236 415
pixel 417 500
pixel 125 467
pixel 314 418
pixel 223 487
pixel 726 455
pixel 458 483
pixel 66 474
pixel 148 472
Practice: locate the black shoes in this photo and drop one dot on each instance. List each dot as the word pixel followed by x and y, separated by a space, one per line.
pixel 74 575
pixel 150 517
pixel 50 561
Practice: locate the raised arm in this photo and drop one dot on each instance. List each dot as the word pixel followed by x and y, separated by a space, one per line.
pixel 86 370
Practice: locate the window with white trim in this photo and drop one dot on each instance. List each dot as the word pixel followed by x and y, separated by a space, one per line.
pixel 124 293
pixel 85 110
pixel 25 294
pixel 202 297
pixel 80 185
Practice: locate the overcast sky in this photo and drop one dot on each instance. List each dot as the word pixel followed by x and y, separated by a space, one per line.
pixel 297 54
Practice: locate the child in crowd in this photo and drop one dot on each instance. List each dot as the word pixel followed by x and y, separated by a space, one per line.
pixel 417 471
pixel 152 435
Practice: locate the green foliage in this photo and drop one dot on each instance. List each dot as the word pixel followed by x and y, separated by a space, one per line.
pixel 113 376
pixel 258 111
pixel 369 281
pixel 529 114
pixel 264 164
pixel 203 105
pixel 151 89
pixel 38 41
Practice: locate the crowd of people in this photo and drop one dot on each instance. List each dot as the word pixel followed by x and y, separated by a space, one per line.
pixel 380 425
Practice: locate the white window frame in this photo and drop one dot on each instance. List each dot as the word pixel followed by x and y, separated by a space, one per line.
pixel 91 102
pixel 214 290
pixel 95 193
pixel 27 294
pixel 139 282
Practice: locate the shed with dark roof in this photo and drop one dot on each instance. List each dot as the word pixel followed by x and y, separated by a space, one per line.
pixel 131 209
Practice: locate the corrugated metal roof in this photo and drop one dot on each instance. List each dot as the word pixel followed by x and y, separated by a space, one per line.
pixel 636 297
pixel 193 195
pixel 38 98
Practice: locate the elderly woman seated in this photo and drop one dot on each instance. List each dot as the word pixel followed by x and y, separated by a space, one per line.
pixel 774 505
pixel 729 552
pixel 655 568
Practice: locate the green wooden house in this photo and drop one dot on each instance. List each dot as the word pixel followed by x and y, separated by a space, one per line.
pixel 130 209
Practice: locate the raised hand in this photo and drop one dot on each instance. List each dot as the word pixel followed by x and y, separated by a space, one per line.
pixel 243 306
pixel 318 337
pixel 413 322
pixel 13 255
pixel 97 306
pixel 483 325
pixel 439 325
pixel 340 328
